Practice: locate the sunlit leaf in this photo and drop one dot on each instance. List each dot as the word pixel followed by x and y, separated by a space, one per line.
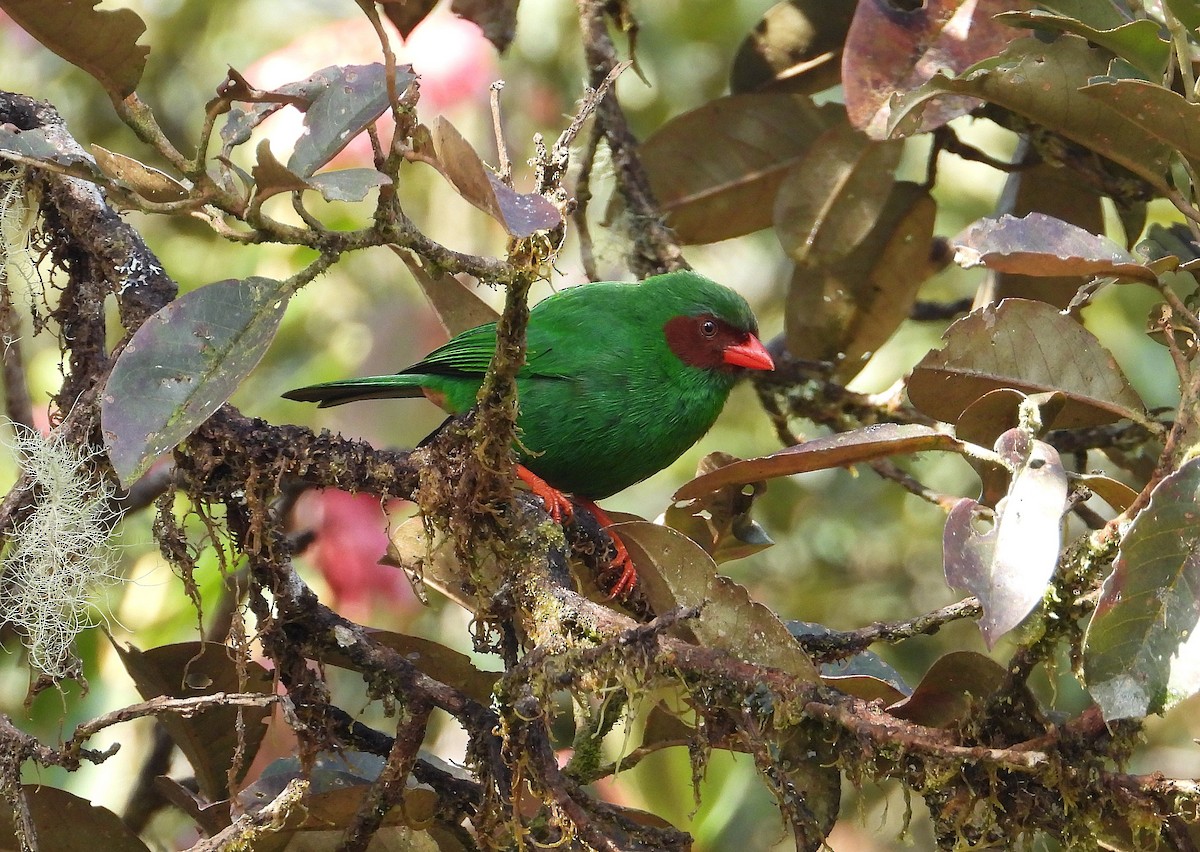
pixel 891 50
pixel 1037 244
pixel 720 522
pixel 67 823
pixel 715 170
pixel 1097 14
pixel 1042 82
pixel 182 365
pixel 861 445
pixel 209 739
pixel 1166 118
pixel 1136 41
pixel 674 572
pixel 1008 566
pixel 1031 347
pixel 1138 657
pixel 796 47
pixel 147 181
pixel 101 42
pixel 1113 492
pixel 842 311
pixel 831 199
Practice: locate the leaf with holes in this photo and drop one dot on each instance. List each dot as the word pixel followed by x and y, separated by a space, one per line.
pixel 1030 347
pixel 1140 655
pixel 182 365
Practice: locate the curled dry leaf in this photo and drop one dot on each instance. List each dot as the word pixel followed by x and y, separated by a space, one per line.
pixel 1008 566
pixel 796 47
pixel 720 522
pixel 147 181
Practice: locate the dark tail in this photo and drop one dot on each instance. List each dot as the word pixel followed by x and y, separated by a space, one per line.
pixel 352 390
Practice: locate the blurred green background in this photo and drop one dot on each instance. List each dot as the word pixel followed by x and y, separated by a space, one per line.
pixel 850 550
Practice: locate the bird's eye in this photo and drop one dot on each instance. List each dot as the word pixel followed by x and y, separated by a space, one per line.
pixel 708 328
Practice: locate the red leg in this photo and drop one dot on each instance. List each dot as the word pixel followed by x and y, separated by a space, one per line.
pixel 628 578
pixel 557 504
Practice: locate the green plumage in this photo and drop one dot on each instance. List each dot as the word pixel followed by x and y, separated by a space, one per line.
pixel 604 402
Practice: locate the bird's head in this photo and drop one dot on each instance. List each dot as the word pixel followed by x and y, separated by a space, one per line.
pixel 710 342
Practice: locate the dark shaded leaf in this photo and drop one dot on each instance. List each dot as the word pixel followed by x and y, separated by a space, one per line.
pixel 674 572
pixel 101 42
pixel 1138 42
pixel 1138 657
pixel 146 181
pixel 208 740
pixel 1057 192
pixel 831 199
pixel 348 184
pixel 1187 11
pixel 1008 567
pixel 181 366
pixel 406 14
pixel 864 675
pixel 209 817
pixel 1042 82
pixel 497 19
pixel 33 148
pixel 521 214
pixel 716 170
pixel 720 522
pixel 994 413
pixel 272 177
pixel 349 98
pixel 845 448
pixel 954 685
pixel 1027 346
pixel 67 823
pixel 1037 244
pixel 843 311
pixel 891 50
pixel 796 47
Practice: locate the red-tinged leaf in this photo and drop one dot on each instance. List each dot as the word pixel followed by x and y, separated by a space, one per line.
pixel 146 181
pixel 796 47
pixel 457 306
pixel 1030 347
pixel 66 823
pixel 181 366
pixel 1138 658
pixel 521 214
pixel 347 100
pixel 1037 244
pixel 842 311
pixel 1043 83
pixel 101 42
pixel 674 572
pixel 209 740
pixel 831 199
pixel 715 171
pixel 1138 42
pixel 496 18
pixel 955 684
pixel 1008 567
pixel 845 448
pixel 890 50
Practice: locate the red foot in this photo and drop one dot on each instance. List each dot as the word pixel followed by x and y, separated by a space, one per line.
pixel 628 578
pixel 560 509
pixel 557 504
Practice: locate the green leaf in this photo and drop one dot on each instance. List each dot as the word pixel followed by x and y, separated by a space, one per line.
pixel 67 823
pixel 1098 14
pixel 1030 347
pixel 1042 82
pixel 1187 11
pixel 103 43
pixel 182 365
pixel 673 572
pixel 1138 42
pixel 716 170
pixel 1138 658
pixel 845 448
pixel 209 739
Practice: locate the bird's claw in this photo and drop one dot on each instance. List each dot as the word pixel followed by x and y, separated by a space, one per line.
pixel 628 578
pixel 555 501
